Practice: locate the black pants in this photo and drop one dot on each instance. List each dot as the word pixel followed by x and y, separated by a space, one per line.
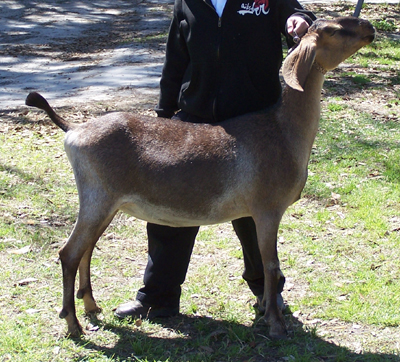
pixel 170 250
pixel 169 255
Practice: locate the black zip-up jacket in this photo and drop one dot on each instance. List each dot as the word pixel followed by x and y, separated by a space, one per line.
pixel 220 67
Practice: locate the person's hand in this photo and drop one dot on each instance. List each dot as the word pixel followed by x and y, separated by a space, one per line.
pixel 296 26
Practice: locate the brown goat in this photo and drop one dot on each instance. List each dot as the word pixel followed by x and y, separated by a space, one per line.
pixel 181 174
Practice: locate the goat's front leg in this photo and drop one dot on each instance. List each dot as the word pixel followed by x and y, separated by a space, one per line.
pixel 267 229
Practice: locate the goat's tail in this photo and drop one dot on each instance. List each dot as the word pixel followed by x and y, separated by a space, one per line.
pixel 36 100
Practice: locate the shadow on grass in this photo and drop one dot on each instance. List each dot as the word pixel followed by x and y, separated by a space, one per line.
pixel 25 176
pixel 191 338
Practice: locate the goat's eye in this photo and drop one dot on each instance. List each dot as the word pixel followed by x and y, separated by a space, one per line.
pixel 332 30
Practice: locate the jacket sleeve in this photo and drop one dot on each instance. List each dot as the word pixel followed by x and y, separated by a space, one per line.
pixel 288 8
pixel 175 64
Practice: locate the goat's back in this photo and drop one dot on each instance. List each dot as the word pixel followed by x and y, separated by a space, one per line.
pixel 191 173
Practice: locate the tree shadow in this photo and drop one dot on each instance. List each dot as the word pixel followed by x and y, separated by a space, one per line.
pixel 69 46
pixel 191 338
pixel 49 26
pixel 340 85
pixel 21 174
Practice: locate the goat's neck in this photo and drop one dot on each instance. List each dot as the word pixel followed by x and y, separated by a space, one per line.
pixel 301 113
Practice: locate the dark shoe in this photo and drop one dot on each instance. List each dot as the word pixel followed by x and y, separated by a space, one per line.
pixel 261 308
pixel 140 310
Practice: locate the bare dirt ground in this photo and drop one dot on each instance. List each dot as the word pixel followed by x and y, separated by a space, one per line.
pixel 79 52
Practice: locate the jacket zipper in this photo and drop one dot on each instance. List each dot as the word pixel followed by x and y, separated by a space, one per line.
pixel 218 55
pixel 218 58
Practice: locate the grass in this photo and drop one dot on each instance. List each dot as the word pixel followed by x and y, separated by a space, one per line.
pixel 338 245
pixel 362 160
pixel 385 25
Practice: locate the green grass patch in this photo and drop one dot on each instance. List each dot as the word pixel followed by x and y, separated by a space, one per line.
pixel 385 25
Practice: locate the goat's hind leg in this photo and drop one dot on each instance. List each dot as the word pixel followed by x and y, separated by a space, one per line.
pixel 85 291
pixel 70 256
pixel 77 253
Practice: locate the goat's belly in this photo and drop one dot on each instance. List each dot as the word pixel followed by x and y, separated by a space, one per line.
pixel 176 217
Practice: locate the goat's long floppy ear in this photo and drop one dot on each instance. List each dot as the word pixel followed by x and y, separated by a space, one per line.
pixel 298 63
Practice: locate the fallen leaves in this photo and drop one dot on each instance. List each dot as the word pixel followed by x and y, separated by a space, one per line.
pixel 25 281
pixel 26 249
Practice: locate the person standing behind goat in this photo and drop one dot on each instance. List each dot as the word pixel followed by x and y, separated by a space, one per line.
pixel 222 60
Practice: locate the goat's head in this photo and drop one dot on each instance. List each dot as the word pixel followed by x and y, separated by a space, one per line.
pixel 327 43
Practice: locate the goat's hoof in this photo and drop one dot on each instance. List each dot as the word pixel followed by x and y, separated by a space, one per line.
pixel 91 306
pixel 75 332
pixel 94 310
pixel 277 332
